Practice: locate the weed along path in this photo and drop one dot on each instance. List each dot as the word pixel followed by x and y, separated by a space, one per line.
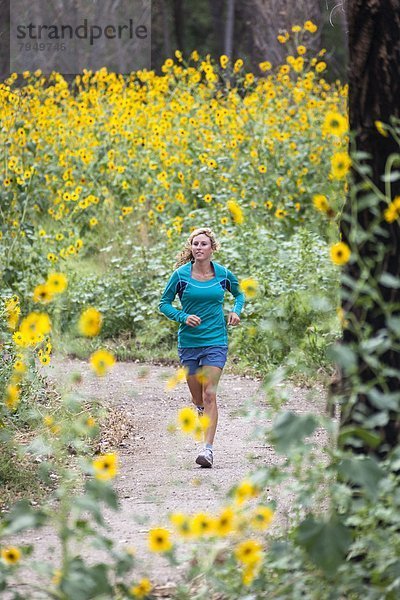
pixel 158 474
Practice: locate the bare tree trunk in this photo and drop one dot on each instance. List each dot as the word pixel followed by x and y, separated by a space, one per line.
pixel 4 39
pixel 179 23
pixel 374 91
pixel 217 14
pixel 261 20
pixel 166 30
pixel 230 23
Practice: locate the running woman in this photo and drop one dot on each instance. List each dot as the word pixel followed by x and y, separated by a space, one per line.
pixel 200 284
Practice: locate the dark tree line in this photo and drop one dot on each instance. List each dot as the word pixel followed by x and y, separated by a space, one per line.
pixel 374 91
pixel 246 28
pixel 239 28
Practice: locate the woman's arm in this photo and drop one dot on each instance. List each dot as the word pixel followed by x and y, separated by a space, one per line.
pixel 236 293
pixel 165 305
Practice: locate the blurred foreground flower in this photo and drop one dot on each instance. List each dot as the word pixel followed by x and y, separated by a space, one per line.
pixel 187 419
pixel 11 555
pixel 90 322
pixel 106 466
pixel 225 522
pixel 392 212
pixel 321 203
pixel 200 428
pixel 20 367
pixel 101 361
pixel 248 552
pixel 45 359
pixel 178 377
pixel 261 517
pixel 182 524
pixel 90 422
pixel 335 124
pixel 381 128
pixel 245 491
pixel 32 329
pixel 202 525
pixel 235 211
pixel 159 540
pixel 249 287
pixel 57 282
pixel 142 589
pixel 13 312
pixel 42 293
pixel 12 396
pixel 249 573
pixel 340 165
pixel 202 375
pixel 57 577
pixel 340 253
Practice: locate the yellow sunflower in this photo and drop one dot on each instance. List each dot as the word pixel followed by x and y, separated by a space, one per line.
pixel 90 322
pixel 101 361
pixel 106 466
pixel 159 540
pixel 340 253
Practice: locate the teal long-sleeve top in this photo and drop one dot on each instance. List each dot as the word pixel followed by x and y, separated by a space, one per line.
pixel 204 299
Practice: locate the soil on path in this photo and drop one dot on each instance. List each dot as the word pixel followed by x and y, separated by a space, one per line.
pixel 158 474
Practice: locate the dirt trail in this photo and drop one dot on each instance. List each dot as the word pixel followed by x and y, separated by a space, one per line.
pixel 158 474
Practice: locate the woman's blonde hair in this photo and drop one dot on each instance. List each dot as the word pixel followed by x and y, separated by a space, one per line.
pixel 186 255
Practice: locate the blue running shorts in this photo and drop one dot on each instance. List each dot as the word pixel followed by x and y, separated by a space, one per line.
pixel 210 356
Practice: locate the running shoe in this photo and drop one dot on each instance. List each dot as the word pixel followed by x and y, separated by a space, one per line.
pixel 200 410
pixel 205 458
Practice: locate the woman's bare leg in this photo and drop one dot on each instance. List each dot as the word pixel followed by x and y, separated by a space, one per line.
pixel 212 376
pixel 196 389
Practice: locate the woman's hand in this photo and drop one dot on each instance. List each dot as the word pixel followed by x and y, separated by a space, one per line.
pixel 193 320
pixel 233 319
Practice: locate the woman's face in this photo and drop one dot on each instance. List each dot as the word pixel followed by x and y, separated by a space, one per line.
pixel 201 247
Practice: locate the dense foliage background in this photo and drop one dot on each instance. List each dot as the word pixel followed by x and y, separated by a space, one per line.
pixel 105 178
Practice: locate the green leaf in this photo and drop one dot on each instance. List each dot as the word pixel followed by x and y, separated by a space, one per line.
pixel 124 564
pixel 378 419
pixel 389 280
pixel 343 356
pixel 99 490
pixel 326 542
pixel 81 582
pixel 31 146
pixel 384 400
pixel 101 542
pixel 22 516
pixel 392 176
pixel 372 439
pixel 361 155
pixel 365 170
pixel 39 447
pixel 290 429
pixel 366 201
pixel 89 504
pixel 394 325
pixel 363 471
